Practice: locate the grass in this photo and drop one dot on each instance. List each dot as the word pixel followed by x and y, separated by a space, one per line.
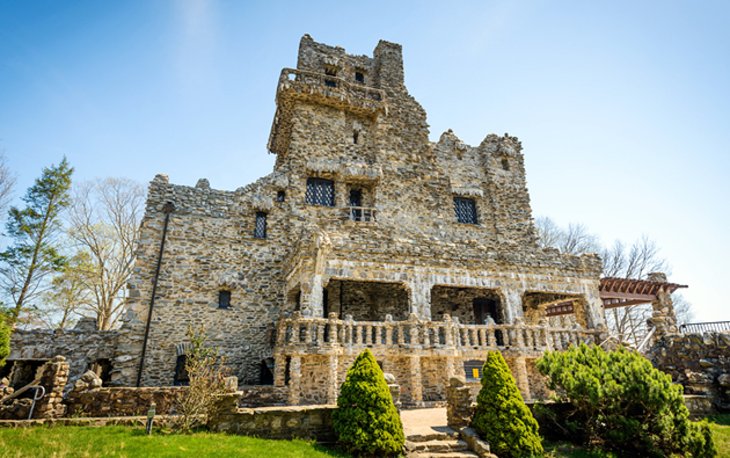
pixel 122 441
pixel 719 424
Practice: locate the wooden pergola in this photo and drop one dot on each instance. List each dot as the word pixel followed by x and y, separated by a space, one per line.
pixel 622 292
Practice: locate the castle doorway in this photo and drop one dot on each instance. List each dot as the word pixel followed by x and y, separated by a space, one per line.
pixel 469 305
pixel 366 301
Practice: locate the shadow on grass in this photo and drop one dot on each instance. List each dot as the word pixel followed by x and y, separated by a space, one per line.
pixel 721 419
pixel 331 450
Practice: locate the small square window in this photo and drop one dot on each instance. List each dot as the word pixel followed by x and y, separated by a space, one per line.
pixel 224 299
pixel 360 77
pixel 320 192
pixel 466 210
pixel 281 196
pixel 260 230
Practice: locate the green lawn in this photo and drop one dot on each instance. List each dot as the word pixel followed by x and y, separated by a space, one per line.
pixel 119 441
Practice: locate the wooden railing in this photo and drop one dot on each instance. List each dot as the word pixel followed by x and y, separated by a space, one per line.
pixel 305 334
pixel 706 327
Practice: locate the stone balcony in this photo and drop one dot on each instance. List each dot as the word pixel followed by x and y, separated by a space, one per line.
pixel 298 335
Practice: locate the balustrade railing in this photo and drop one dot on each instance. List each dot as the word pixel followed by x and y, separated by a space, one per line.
pixel 330 83
pixel 311 333
pixel 702 328
pixel 361 214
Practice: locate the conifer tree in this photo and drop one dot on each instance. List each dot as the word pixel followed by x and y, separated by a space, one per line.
pixel 34 254
pixel 501 416
pixel 366 420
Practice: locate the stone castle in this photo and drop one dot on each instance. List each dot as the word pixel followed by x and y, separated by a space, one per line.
pixel 365 235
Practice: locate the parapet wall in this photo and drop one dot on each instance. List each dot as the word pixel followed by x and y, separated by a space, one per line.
pixel 699 362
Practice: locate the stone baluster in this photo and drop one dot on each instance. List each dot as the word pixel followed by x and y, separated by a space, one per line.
pixel 506 335
pixel 332 330
pixel 448 331
pixel 388 330
pixel 401 333
pixel 483 337
pixel 413 331
pixel 308 332
pixel 520 333
pixel 349 331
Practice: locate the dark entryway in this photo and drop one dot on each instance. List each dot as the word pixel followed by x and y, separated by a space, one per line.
pixel 469 305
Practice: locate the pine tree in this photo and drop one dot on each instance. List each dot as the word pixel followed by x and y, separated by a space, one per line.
pixel 501 416
pixel 34 253
pixel 366 420
pixel 5 331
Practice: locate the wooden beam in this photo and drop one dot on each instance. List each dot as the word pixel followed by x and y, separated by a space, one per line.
pixel 622 295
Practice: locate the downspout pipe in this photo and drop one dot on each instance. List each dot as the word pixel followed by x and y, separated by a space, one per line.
pixel 167 209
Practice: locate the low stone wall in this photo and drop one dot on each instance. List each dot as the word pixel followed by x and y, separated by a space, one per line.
pixel 122 401
pixel 699 362
pixel 460 402
pixel 263 395
pixel 310 422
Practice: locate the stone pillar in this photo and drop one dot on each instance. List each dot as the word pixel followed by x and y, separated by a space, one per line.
pixel 416 381
pixel 295 380
pixel 332 381
pixel 450 367
pixel 523 382
pixel 663 317
pixel 512 306
pixel 420 298
pixel 280 370
pixel 458 404
pixel 311 297
pixel 53 378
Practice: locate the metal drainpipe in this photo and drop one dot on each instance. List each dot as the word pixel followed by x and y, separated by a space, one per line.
pixel 168 208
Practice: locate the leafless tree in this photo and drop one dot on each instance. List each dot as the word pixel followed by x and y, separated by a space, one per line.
pixel 7 182
pixel 69 294
pixel 104 221
pixel 575 239
pixel 638 260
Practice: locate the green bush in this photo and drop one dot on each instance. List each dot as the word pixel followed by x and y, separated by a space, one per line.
pixel 5 331
pixel 366 420
pixel 619 401
pixel 501 416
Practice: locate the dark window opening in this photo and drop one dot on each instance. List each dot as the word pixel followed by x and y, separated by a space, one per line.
pixel 325 303
pixel 287 371
pixel 356 201
pixel 181 372
pixel 355 137
pixel 281 196
pixel 360 77
pixel 224 299
pixel 320 192
pixel 466 210
pixel 260 229
pixel 266 372
pixel 505 164
pixel 330 71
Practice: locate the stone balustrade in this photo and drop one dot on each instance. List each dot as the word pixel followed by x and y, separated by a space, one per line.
pixel 304 335
pixel 330 90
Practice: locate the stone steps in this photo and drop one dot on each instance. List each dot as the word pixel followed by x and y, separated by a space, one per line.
pixel 437 445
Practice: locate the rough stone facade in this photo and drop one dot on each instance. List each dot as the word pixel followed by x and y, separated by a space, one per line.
pixel 365 235
pixel 365 220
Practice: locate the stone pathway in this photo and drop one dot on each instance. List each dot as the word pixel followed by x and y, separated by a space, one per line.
pixel 427 435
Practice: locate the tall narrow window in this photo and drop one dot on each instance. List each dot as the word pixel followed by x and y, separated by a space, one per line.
pixel 260 230
pixel 320 192
pixel 224 299
pixel 280 196
pixel 466 210
pixel 355 137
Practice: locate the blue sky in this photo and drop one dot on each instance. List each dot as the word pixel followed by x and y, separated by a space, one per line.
pixel 623 108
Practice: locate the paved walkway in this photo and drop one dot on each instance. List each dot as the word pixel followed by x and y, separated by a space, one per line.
pixel 424 422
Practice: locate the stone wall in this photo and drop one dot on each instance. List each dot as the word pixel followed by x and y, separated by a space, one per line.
pixel 351 120
pixel 81 346
pixel 52 376
pixel 699 362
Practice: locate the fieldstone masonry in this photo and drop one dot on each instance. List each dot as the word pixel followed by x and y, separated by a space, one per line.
pixel 365 235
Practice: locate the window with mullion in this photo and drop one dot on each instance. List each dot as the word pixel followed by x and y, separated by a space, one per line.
pixel 466 210
pixel 260 229
pixel 320 192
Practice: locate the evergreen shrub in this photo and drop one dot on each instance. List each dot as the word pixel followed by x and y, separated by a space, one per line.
pixel 501 416
pixel 366 420
pixel 619 402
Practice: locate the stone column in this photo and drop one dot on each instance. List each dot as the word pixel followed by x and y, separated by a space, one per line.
pixel 332 382
pixel 295 380
pixel 311 297
pixel 512 306
pixel 420 297
pixel 416 381
pixel 280 370
pixel 523 382
pixel 663 317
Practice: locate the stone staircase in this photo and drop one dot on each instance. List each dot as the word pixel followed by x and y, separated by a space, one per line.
pixel 437 444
